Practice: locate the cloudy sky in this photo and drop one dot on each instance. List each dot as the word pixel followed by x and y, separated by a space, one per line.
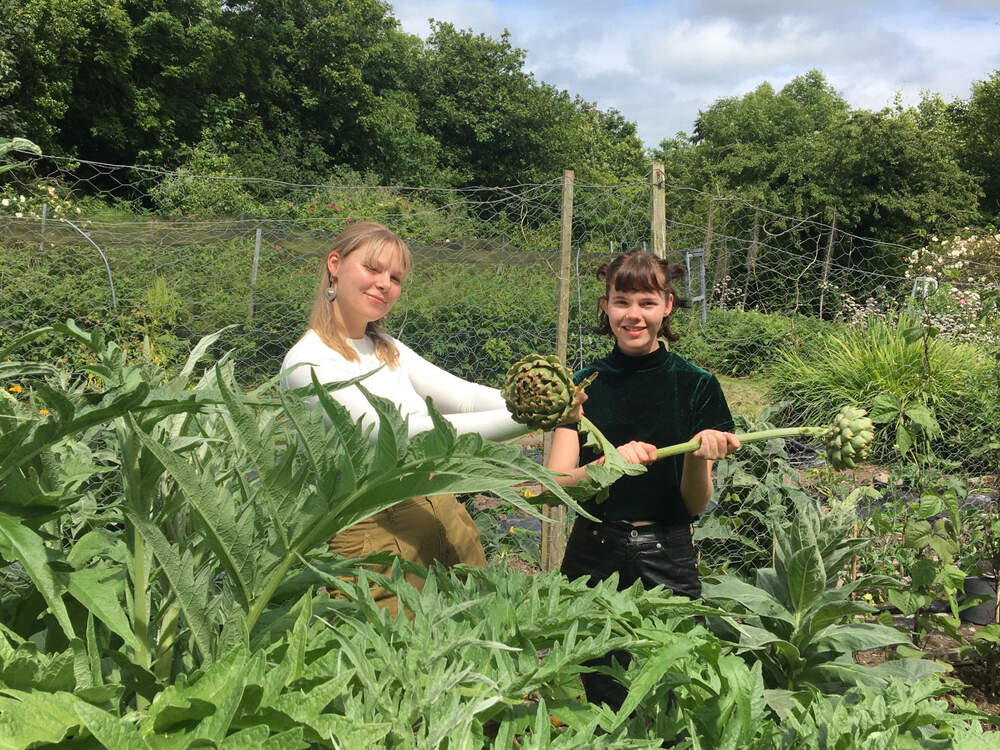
pixel 661 61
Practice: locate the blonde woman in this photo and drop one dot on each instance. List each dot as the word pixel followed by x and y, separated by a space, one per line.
pixel 360 281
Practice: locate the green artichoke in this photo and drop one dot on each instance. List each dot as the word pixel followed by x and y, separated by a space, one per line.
pixel 539 391
pixel 849 438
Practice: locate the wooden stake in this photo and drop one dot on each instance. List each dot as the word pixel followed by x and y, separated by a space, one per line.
pixel 751 258
pixel 658 211
pixel 827 260
pixel 553 541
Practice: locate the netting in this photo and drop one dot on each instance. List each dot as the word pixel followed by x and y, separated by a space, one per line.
pixel 163 258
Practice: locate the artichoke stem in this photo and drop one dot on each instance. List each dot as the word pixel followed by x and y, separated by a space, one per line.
pixel 746 437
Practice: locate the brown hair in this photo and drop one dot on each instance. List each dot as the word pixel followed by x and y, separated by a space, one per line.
pixel 639 271
pixel 369 237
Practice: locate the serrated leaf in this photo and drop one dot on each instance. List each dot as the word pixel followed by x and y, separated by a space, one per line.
pixel 392 439
pixel 99 589
pixel 179 571
pixel 214 512
pixel 17 542
pixel 113 732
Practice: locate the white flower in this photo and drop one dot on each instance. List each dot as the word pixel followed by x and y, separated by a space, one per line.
pixel 5 202
pixel 21 199
pixel 18 215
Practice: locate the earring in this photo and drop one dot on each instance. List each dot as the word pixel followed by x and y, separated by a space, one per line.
pixel 331 291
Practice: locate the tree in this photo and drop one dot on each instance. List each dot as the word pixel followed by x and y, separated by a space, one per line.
pixel 803 152
pixel 979 124
pixel 896 173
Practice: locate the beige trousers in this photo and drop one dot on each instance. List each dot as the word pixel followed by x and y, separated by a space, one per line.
pixel 422 530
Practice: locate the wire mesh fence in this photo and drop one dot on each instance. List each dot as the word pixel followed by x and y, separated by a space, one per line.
pixel 166 257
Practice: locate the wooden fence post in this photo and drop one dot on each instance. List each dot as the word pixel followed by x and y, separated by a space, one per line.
pixel 827 261
pixel 553 541
pixel 706 245
pixel 658 211
pixel 253 271
pixel 751 257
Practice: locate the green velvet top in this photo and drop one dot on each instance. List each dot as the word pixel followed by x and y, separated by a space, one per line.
pixel 657 398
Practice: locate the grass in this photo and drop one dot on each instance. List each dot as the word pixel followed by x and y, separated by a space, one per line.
pixel 746 396
pixel 958 382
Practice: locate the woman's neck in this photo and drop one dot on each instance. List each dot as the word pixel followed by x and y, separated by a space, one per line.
pixel 352 329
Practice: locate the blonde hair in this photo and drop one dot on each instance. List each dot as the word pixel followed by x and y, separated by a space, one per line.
pixel 369 237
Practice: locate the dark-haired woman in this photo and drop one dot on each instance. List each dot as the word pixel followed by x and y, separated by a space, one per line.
pixel 644 396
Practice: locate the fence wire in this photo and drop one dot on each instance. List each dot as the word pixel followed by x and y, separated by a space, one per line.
pixel 166 257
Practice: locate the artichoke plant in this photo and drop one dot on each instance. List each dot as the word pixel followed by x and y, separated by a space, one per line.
pixel 539 391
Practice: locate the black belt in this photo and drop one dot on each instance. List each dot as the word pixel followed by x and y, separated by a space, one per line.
pixel 625 530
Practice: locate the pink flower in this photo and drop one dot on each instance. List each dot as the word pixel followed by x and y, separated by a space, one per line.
pixel 349 219
pixel 290 204
pixel 962 301
pixel 313 203
pixel 329 205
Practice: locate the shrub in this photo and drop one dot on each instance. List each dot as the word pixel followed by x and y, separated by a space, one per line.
pixel 738 343
pixel 864 363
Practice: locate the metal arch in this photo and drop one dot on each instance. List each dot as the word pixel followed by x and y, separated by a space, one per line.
pixel 111 283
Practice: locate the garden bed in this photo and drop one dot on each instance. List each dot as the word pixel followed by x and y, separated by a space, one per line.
pixel 980 687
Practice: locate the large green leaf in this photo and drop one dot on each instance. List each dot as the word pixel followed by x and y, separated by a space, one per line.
pixel 806 578
pixel 180 572
pixel 113 732
pixel 720 589
pixel 29 719
pixel 17 542
pixel 17 447
pixel 662 661
pixel 216 516
pixel 860 636
pixel 100 590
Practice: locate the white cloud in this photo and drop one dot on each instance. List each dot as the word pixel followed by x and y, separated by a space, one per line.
pixel 659 62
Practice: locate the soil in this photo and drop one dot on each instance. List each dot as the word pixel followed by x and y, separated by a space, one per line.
pixel 979 689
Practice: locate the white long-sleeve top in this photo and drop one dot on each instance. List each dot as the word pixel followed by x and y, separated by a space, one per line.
pixel 469 407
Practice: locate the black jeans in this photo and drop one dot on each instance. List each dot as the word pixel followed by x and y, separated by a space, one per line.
pixel 657 555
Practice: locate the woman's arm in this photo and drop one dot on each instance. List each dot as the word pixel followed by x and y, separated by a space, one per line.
pixel 696 477
pixel 469 407
pixel 450 393
pixel 564 455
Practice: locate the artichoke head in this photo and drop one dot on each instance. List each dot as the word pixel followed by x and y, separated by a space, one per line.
pixel 849 438
pixel 539 391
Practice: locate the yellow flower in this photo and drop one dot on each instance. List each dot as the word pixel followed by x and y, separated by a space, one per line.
pixel 44 412
pixel 15 389
pixel 511 529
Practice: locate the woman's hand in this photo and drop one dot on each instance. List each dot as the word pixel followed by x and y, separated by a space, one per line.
pixel 574 416
pixel 636 452
pixel 715 445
